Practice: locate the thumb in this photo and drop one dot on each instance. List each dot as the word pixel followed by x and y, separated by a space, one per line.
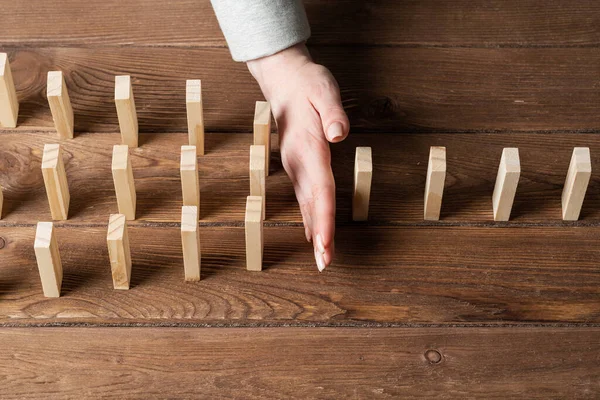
pixel 328 104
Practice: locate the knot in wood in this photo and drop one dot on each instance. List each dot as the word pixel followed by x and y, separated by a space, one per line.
pixel 433 356
pixel 2 242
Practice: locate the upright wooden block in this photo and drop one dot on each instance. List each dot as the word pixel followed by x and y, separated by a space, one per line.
pixel 119 252
pixel 254 233
pixel 434 183
pixel 195 114
pixel 506 183
pixel 125 103
pixel 123 179
pixel 363 172
pixel 188 168
pixel 576 183
pixel 60 104
pixel 55 180
pixel 262 129
pixel 48 259
pixel 258 174
pixel 9 105
pixel 190 241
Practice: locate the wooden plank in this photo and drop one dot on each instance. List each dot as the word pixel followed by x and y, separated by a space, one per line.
pixel 125 102
pixel 434 183
pixel 9 105
pixel 417 89
pixel 195 114
pixel 300 363
pixel 190 242
pixel 60 104
pixel 467 275
pixel 396 193
pixel 48 259
pixel 55 181
pixel 119 251
pixel 576 183
pixel 186 23
pixel 507 181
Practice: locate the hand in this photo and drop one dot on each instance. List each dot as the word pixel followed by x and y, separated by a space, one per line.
pixel 305 101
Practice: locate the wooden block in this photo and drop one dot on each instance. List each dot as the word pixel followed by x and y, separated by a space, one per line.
pixel 434 183
pixel 9 105
pixel 48 259
pixel 60 104
pixel 55 180
pixel 262 129
pixel 190 241
pixel 258 174
pixel 123 179
pixel 126 110
pixel 363 172
pixel 254 233
pixel 578 177
pixel 119 251
pixel 506 183
pixel 188 168
pixel 195 114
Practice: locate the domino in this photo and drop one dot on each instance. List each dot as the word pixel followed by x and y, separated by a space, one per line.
pixel 55 181
pixel 190 242
pixel 506 184
pixel 434 183
pixel 128 122
pixel 119 252
pixel 60 104
pixel 363 173
pixel 48 259
pixel 123 178
pixel 576 183
pixel 262 129
pixel 188 169
pixel 254 233
pixel 258 174
pixel 9 105
pixel 195 114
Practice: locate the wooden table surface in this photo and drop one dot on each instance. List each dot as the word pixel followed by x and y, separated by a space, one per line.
pixel 464 307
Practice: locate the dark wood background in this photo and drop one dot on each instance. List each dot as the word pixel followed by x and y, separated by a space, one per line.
pixel 463 307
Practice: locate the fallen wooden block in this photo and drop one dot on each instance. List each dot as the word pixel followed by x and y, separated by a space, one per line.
pixel 125 103
pixel 190 241
pixel 434 183
pixel 60 104
pixel 254 233
pixel 9 105
pixel 576 183
pixel 123 178
pixel 55 181
pixel 363 172
pixel 119 252
pixel 507 181
pixel 195 114
pixel 188 169
pixel 262 129
pixel 48 259
pixel 258 174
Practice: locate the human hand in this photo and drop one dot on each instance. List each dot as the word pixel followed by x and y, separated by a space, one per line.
pixel 305 101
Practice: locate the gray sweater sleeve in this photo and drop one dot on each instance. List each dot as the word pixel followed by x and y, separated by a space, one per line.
pixel 259 28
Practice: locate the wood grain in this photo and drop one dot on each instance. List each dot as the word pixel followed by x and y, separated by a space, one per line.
pixel 400 167
pixel 299 363
pixel 187 23
pixel 397 275
pixel 383 89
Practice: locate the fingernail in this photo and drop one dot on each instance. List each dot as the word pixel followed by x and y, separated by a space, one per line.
pixel 320 245
pixel 320 261
pixel 335 131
